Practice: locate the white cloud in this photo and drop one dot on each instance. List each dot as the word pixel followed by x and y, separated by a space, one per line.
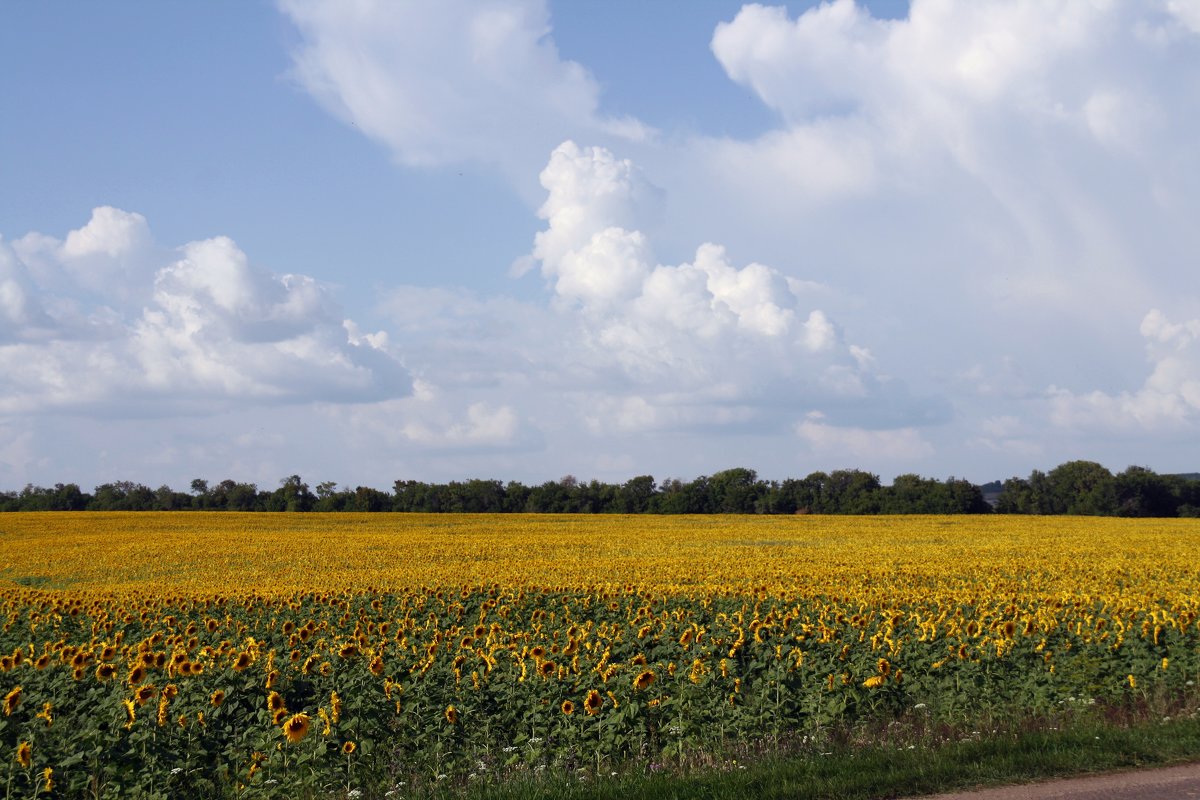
pixel 695 322
pixel 1187 12
pixel 449 81
pixel 901 445
pixel 215 329
pixel 1030 143
pixel 432 421
pixel 1168 400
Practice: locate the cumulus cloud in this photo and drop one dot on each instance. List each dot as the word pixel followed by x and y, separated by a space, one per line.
pixel 1168 400
pixel 214 330
pixel 1051 133
pixel 650 315
pixel 451 81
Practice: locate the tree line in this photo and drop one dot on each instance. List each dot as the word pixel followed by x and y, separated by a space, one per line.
pixel 1077 487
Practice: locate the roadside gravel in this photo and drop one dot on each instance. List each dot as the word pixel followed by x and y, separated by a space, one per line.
pixel 1162 783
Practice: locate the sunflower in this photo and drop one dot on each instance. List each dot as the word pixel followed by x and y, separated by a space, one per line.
pixel 593 702
pixel 568 707
pixel 42 662
pixel 278 717
pixel 24 754
pixel 105 672
pixel 452 715
pixel 884 667
pixel 216 698
pixel 130 713
pixel 643 680
pixel 348 650
pixel 275 701
pixel 163 703
pixel 335 706
pixel 136 675
pixel 46 714
pixel 376 666
pixel 873 681
pixel 348 748
pixel 242 661
pixel 11 701
pixel 537 652
pixel 546 668
pixel 48 779
pixel 296 728
pixel 144 694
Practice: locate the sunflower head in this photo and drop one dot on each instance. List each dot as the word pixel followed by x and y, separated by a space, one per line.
pixel 216 698
pixel 452 715
pixel 275 701
pixel 335 706
pixel 24 755
pixel 593 702
pixel 568 707
pixel 348 748
pixel 643 680
pixel 296 728
pixel 144 694
pixel 242 661
pixel 11 701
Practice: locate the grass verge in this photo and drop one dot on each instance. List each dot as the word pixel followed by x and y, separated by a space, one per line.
pixel 856 771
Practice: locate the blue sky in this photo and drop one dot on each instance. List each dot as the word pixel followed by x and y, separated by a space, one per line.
pixel 514 239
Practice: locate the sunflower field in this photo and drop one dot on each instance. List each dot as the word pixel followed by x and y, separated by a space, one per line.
pixel 228 655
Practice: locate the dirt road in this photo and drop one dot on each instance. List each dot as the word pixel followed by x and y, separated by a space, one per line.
pixel 1163 783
